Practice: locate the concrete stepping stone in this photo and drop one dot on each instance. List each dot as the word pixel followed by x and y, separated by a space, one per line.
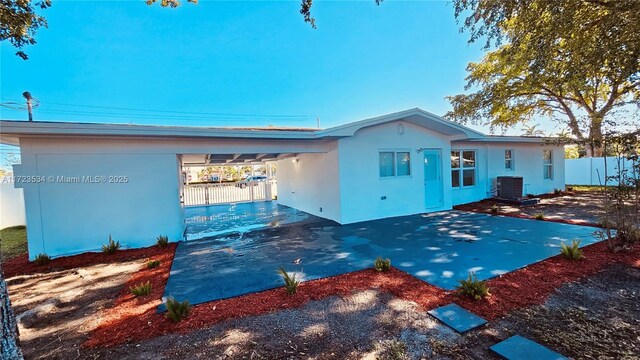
pixel 521 348
pixel 457 318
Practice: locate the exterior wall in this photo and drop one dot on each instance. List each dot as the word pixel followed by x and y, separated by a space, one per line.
pixel 527 159
pixel 69 218
pixel 11 206
pixel 310 182
pixel 361 186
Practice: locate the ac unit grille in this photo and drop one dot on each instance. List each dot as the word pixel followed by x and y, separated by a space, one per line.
pixel 510 187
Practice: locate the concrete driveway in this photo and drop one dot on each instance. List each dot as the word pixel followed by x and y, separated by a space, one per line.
pixel 439 248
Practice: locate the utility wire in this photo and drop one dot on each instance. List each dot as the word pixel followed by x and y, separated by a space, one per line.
pixel 173 111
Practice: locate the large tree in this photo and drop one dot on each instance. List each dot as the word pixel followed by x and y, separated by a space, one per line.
pixel 576 61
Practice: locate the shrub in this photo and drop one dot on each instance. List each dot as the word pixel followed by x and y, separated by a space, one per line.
pixel 557 191
pixel 42 259
pixel 573 251
pixel 539 216
pixel 382 264
pixel 162 241
pixel 290 281
pixel 473 288
pixel 494 209
pixel 530 196
pixel 111 247
pixel 152 264
pixel 141 289
pixel 176 310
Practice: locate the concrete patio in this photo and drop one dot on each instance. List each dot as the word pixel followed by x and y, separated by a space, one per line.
pixel 439 248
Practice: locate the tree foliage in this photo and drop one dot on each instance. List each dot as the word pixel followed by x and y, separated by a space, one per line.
pixel 576 61
pixel 19 22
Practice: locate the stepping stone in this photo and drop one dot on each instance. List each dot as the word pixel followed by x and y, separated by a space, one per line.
pixel 520 348
pixel 458 318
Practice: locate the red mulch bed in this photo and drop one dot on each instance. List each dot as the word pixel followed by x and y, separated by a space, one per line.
pixel 135 319
pixel 21 265
pixel 125 322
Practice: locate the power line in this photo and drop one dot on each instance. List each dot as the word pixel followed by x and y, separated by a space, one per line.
pixel 178 112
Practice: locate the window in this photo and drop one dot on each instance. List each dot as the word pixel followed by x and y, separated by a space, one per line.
pixel 394 163
pixel 547 164
pixel 404 163
pixel 386 164
pixel 508 159
pixel 463 168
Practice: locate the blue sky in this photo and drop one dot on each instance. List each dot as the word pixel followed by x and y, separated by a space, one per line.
pixel 257 61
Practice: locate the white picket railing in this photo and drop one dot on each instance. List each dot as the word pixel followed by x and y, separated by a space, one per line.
pixel 206 194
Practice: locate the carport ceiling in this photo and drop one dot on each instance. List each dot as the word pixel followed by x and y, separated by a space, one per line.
pixel 232 159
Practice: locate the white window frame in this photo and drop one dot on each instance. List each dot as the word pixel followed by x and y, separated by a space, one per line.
pixel 462 168
pixel 510 159
pixel 547 165
pixel 395 163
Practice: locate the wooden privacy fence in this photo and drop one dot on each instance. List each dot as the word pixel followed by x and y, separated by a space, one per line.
pixel 223 193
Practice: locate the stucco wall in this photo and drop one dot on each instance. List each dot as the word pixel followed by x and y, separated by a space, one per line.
pixel 361 186
pixel 310 183
pixel 69 218
pixel 527 163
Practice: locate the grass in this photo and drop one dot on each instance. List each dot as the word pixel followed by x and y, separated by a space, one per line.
pixel 586 187
pixel 13 241
pixel 152 264
pixel 42 259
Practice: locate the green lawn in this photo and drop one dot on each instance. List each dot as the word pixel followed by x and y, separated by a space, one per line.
pixel 13 241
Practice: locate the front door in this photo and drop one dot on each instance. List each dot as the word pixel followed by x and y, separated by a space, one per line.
pixel 432 178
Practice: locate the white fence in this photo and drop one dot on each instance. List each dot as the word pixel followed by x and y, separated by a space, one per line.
pixel 207 194
pixel 590 171
pixel 11 206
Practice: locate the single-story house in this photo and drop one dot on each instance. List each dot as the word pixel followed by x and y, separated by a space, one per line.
pixel 84 181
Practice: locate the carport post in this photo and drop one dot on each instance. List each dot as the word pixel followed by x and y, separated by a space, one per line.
pixel 267 190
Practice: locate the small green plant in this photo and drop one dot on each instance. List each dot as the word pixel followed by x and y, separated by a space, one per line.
pixel 557 191
pixel 152 264
pixel 42 259
pixel 176 310
pixel 539 216
pixel 111 247
pixel 494 209
pixel 141 289
pixel 573 251
pixel 162 241
pixel 381 264
pixel 473 288
pixel 290 281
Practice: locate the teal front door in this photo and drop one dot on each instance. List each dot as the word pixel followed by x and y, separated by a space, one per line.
pixel 432 178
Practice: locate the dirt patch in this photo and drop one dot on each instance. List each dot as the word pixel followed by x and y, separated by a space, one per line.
pixel 367 324
pixel 56 311
pixel 578 207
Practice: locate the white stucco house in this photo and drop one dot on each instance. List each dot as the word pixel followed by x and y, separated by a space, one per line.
pixel 84 181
